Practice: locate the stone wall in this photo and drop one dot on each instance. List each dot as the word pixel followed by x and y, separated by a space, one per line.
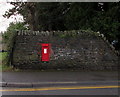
pixel 71 50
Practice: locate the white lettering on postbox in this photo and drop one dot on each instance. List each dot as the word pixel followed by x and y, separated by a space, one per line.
pixel 45 51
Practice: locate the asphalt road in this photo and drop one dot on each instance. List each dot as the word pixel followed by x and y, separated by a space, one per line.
pixel 61 83
pixel 110 91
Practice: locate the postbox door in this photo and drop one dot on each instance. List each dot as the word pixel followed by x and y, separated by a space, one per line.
pixel 45 53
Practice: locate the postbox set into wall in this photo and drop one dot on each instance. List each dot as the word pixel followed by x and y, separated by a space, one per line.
pixel 45 51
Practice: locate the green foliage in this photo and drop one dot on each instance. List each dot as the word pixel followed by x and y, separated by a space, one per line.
pixel 9 38
pixel 13 27
pixel 3 59
pixel 3 55
pixel 103 17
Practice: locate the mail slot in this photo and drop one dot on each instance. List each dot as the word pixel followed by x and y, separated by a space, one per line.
pixel 45 54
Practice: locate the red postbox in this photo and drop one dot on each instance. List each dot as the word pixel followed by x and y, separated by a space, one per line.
pixel 45 54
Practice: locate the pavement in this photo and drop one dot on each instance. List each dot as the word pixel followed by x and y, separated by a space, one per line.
pixel 59 83
pixel 42 79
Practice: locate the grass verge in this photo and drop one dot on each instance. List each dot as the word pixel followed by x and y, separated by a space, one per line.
pixel 3 59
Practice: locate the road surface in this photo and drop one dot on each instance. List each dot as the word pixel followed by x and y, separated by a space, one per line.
pixel 60 83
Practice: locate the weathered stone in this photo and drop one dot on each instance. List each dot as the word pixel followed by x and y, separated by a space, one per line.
pixel 71 50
